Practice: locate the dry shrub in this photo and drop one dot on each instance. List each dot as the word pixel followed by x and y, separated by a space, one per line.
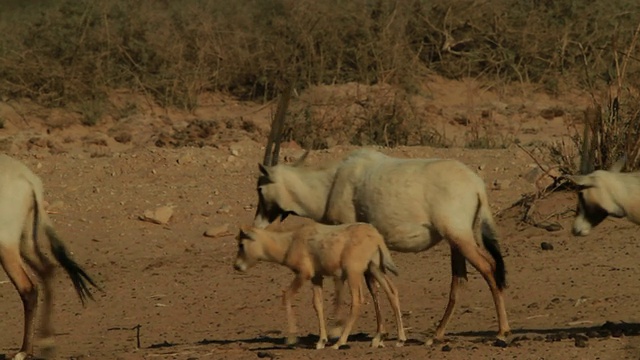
pixel 61 52
pixel 611 126
pixel 358 115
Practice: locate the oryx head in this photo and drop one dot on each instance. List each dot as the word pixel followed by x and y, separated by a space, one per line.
pixel 595 200
pixel 273 199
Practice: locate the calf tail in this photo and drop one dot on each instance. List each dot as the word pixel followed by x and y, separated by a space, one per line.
pixel 386 262
pixel 490 242
pixel 78 276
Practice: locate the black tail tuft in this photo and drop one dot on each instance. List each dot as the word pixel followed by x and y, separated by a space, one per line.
pixel 78 276
pixel 491 244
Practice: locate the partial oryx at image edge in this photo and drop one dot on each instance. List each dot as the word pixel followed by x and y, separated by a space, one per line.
pixel 414 203
pixel 603 193
pixel 23 221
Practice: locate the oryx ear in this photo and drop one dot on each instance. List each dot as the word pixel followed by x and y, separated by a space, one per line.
pixel 264 170
pixel 581 181
pixel 618 165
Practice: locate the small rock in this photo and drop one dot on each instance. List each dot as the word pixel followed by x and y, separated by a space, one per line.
pixel 217 231
pixel 185 159
pixel 481 166
pixel 500 343
pixel 581 341
pixel 592 334
pixel 160 215
pixel 123 137
pixel 224 209
pixel 501 185
pixel 546 246
pixel 446 348
pixel 552 227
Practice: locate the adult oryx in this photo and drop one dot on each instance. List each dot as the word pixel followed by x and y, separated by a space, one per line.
pixel 414 203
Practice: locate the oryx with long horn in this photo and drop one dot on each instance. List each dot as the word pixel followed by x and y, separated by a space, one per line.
pixel 414 203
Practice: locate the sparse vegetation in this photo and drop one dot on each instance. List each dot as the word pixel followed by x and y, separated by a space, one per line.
pixel 65 51
pixel 611 126
pixel 68 53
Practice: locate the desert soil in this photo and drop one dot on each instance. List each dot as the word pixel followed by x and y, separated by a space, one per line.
pixel 174 290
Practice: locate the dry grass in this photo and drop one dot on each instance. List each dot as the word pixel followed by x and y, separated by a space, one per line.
pixel 74 53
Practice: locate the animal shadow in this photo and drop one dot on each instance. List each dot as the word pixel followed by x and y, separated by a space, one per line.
pixel 606 330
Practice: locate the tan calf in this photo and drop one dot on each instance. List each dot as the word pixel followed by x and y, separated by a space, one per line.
pixel 314 251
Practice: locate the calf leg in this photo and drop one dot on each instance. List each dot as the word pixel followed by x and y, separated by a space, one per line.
pixel 12 264
pixel 458 272
pixel 380 333
pixel 392 294
pixel 339 286
pixel 318 306
pixel 355 285
pixel 296 284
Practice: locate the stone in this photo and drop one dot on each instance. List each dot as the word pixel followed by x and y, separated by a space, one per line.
pixel 160 216
pixel 217 231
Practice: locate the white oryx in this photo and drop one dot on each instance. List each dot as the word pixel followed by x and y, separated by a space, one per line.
pixel 414 203
pixel 22 222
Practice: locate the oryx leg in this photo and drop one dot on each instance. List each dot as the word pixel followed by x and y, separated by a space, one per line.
pixel 15 269
pixel 485 264
pixel 44 269
pixel 378 338
pixel 458 272
pixel 392 295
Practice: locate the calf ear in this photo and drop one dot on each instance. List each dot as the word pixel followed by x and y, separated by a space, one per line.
pixel 618 165
pixel 245 232
pixel 302 158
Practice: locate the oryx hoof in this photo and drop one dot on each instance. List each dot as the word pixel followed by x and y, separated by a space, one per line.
pixel 339 346
pixel 22 356
pixel 321 344
pixel 434 341
pixel 378 341
pixel 400 343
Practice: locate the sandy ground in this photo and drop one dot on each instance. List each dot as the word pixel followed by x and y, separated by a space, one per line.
pixel 175 290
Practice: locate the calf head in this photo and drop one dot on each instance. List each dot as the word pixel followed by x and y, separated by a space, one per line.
pixel 250 249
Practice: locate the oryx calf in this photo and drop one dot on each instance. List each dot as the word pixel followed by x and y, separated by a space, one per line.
pixel 22 220
pixel 313 251
pixel 605 193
